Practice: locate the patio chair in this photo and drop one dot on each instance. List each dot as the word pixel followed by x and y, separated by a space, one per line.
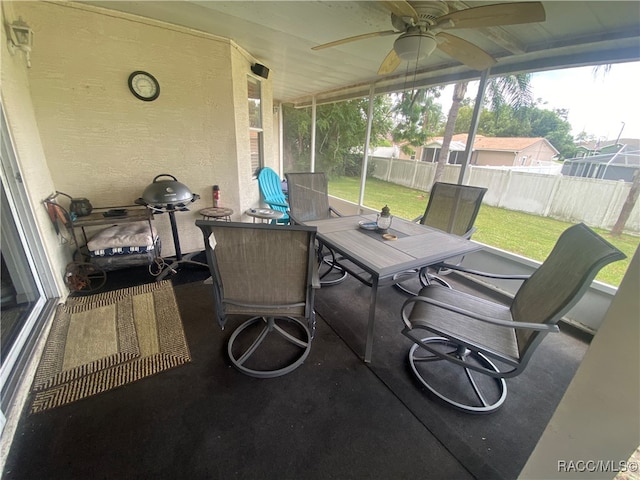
pixel 472 333
pixel 267 272
pixel 271 190
pixel 309 200
pixel 451 208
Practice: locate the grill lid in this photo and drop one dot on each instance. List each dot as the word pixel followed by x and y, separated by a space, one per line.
pixel 167 192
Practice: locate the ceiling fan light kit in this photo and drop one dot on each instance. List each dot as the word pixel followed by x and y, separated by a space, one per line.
pixel 421 27
pixel 414 45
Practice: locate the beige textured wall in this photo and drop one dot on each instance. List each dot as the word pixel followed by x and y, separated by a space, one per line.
pixel 540 151
pixel 102 143
pixel 21 121
pixel 492 158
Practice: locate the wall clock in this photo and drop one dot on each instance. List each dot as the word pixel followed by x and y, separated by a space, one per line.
pixel 144 86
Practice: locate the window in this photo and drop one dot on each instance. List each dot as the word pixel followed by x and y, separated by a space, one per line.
pixel 256 137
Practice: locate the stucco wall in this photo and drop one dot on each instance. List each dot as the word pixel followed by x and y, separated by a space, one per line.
pixel 540 151
pixel 102 143
pixel 23 128
pixel 492 158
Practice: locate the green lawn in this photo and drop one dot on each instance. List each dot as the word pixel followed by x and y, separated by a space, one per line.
pixel 527 235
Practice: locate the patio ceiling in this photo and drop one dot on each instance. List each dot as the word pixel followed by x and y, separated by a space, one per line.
pixel 280 35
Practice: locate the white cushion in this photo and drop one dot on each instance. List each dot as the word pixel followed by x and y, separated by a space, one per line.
pixel 136 234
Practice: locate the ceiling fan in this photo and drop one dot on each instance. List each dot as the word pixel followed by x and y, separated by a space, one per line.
pixel 420 26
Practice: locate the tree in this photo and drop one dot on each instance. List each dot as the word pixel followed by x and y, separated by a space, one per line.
pixel 553 125
pixel 628 205
pixel 340 134
pixel 511 90
pixel 459 91
pixel 417 117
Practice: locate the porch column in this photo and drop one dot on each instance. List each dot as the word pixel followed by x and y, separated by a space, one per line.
pixel 312 166
pixel 280 140
pixel 477 108
pixel 365 161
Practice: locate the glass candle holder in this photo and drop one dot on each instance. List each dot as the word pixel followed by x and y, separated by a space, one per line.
pixel 383 222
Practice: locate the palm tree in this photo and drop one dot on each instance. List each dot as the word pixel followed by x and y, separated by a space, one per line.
pixel 459 91
pixel 418 116
pixel 512 90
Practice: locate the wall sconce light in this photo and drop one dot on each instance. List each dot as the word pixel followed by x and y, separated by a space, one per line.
pixel 20 38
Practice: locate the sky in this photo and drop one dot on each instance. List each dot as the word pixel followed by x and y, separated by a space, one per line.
pixel 597 104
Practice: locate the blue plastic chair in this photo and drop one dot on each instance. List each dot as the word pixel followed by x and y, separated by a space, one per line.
pixel 271 191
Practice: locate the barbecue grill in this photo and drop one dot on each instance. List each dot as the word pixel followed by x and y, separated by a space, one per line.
pixel 170 196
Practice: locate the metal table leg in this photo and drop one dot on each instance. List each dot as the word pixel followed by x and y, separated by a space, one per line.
pixel 372 318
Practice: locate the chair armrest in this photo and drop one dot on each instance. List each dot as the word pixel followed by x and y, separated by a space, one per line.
pixel 335 212
pixel 458 268
pixel 540 327
pixel 468 234
pixel 315 276
pixel 277 204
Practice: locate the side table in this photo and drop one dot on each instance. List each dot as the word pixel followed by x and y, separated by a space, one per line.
pixel 216 213
pixel 264 214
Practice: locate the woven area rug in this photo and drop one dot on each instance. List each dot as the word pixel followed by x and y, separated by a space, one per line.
pixel 103 341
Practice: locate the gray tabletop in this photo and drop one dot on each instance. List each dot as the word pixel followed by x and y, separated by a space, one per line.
pixel 416 246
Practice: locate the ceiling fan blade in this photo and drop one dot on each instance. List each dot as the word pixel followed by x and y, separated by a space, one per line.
pixel 464 51
pixel 401 9
pixel 355 38
pixel 494 15
pixel 390 63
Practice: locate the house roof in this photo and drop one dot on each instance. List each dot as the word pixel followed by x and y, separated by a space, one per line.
pixel 455 146
pixel 505 144
pixel 386 152
pixel 598 145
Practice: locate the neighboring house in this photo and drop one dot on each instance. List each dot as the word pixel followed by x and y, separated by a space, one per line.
pixel 587 149
pixel 386 152
pixel 493 151
pixel 596 147
pixel 611 161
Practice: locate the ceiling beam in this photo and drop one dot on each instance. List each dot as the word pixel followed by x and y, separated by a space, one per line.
pixel 432 78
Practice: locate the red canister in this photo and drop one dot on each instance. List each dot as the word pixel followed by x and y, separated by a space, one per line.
pixel 216 196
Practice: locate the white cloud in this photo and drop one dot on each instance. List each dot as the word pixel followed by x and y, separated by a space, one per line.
pixel 597 104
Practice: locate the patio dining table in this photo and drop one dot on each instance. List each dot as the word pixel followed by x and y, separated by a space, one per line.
pixel 415 246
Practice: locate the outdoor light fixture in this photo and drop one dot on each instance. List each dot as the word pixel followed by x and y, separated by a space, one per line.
pixel 20 38
pixel 414 45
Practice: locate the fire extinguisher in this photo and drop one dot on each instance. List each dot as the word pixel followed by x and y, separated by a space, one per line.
pixel 216 196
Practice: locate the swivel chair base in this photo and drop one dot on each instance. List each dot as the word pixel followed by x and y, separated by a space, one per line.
pixel 424 277
pixel 482 405
pixel 172 267
pixel 271 327
pixel 334 269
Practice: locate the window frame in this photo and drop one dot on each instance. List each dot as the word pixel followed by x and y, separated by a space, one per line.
pixel 256 126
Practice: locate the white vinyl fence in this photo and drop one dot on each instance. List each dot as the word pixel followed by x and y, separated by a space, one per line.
pixel 595 202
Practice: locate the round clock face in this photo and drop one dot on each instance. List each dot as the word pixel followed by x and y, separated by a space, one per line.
pixel 144 86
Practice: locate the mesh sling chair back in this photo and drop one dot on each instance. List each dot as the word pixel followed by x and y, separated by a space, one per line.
pixel 451 208
pixel 473 333
pixel 272 194
pixel 267 272
pixel 309 200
